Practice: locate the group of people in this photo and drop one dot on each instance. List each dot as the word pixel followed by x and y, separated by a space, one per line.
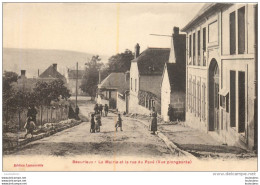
pixel 99 109
pixel 95 122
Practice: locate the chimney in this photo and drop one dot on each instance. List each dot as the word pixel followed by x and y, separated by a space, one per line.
pixel 23 73
pixel 38 72
pixel 137 50
pixel 176 30
pixel 55 66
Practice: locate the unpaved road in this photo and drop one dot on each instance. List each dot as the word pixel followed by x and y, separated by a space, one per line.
pixel 134 140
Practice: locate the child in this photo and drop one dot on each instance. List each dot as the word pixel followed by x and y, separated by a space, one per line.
pixel 92 127
pixel 106 110
pixel 29 126
pixel 98 122
pixel 119 122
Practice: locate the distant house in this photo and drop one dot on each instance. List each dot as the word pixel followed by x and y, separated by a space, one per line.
pixel 24 83
pixel 71 81
pixel 51 73
pixel 112 90
pixel 145 79
pixel 174 78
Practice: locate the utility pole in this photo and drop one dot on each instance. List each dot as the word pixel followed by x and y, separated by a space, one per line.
pixel 77 85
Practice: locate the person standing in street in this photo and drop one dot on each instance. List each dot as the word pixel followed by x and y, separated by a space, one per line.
pixel 106 110
pixel 101 109
pixel 92 124
pixel 96 109
pixel 170 112
pixel 71 114
pixel 77 113
pixel 119 123
pixel 153 121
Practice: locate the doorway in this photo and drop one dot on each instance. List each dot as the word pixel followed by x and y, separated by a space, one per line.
pixel 213 96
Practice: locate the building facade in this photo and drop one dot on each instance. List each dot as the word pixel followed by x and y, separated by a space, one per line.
pixel 145 79
pixel 74 80
pixel 221 74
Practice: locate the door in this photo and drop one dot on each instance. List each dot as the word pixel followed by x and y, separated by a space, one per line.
pixel 216 98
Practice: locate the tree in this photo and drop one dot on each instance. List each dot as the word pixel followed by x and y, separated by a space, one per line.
pixel 91 77
pixel 120 62
pixel 8 93
pixel 47 92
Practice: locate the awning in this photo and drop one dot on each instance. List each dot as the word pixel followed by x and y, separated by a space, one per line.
pixel 223 92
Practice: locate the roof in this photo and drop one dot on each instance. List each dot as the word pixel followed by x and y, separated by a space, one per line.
pixel 115 81
pixel 72 74
pixel 206 10
pixel 51 72
pixel 151 61
pixel 176 76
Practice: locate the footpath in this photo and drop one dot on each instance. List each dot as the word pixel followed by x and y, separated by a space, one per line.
pixel 192 142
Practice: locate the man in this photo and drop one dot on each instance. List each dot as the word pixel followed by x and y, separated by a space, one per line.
pixel 170 112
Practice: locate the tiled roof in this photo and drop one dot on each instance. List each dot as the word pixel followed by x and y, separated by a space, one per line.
pixel 151 61
pixel 51 72
pixel 72 74
pixel 207 9
pixel 115 81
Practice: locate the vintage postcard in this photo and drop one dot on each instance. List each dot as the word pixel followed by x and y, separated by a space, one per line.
pixel 130 87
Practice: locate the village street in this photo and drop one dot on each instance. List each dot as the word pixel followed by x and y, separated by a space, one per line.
pixel 134 140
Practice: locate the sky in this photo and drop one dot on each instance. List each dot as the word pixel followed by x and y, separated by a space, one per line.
pixel 97 28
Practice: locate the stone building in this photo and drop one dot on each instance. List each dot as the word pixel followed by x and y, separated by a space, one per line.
pixel 71 81
pixel 51 73
pixel 145 79
pixel 221 77
pixel 174 78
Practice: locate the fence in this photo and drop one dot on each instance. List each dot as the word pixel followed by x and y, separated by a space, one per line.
pixel 17 120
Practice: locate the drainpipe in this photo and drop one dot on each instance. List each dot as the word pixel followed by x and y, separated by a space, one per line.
pixel 255 77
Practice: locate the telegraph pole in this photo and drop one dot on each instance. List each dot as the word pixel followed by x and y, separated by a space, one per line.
pixel 77 85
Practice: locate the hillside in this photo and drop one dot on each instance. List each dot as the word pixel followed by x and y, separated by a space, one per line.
pixel 33 59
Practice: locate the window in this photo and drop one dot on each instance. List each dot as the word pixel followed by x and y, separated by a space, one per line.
pixel 198 48
pixel 135 84
pixel 241 30
pixel 194 47
pixel 241 103
pixel 194 96
pixel 232 32
pixel 190 46
pixel 213 32
pixel 204 46
pixel 203 102
pixel 131 84
pixel 198 97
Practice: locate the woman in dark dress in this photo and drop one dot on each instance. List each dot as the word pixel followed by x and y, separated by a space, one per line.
pixel 92 122
pixel 153 121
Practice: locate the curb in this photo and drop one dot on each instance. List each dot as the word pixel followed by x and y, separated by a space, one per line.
pixel 38 137
pixel 174 149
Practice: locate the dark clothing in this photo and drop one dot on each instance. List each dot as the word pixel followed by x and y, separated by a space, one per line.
pixel 96 109
pixel 154 121
pixel 32 112
pixel 71 114
pixel 106 110
pixel 77 113
pixel 170 113
pixel 119 122
pixel 100 108
pixel 92 126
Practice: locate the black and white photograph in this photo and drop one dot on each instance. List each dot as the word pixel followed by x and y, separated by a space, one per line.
pixel 116 87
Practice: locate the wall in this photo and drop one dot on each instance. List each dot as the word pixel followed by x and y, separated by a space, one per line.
pixel 165 95
pixel 121 104
pixel 72 86
pixel 151 84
